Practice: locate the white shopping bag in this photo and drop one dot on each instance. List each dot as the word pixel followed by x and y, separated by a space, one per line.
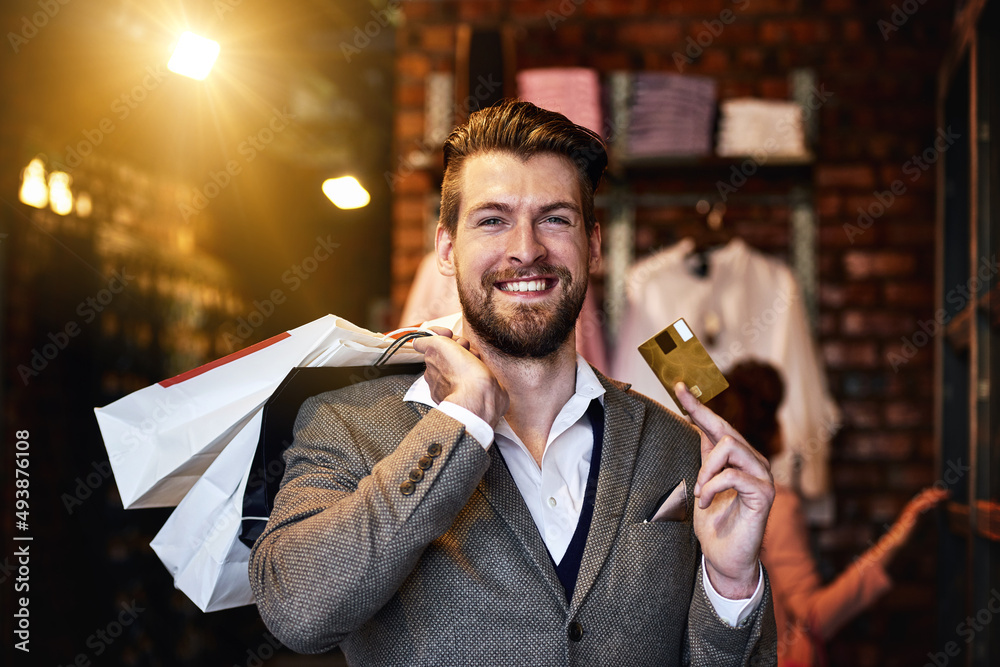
pixel 199 544
pixel 162 438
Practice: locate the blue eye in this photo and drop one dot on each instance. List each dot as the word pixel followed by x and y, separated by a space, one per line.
pixel 489 222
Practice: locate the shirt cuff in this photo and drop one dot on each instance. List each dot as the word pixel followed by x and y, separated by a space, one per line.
pixel 733 612
pixel 475 425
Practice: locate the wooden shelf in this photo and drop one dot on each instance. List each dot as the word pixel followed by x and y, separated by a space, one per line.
pixel 638 163
pixel 987 520
pixel 959 328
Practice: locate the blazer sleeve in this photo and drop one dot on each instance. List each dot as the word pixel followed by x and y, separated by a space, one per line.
pixel 350 524
pixel 712 641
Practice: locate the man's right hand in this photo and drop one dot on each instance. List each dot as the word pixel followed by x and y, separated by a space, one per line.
pixel 456 374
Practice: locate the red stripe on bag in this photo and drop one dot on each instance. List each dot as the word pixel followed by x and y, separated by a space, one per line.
pixel 195 372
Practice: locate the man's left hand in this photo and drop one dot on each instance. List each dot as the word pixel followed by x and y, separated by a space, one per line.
pixel 734 493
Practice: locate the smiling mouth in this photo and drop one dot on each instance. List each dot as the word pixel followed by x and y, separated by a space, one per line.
pixel 533 285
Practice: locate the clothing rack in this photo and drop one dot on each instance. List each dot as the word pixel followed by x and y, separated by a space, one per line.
pixel 620 239
pixel 621 203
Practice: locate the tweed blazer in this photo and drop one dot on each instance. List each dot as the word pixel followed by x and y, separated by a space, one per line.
pixel 399 538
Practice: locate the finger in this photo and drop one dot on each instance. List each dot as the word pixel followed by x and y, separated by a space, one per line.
pixel 753 492
pixel 712 424
pixel 464 342
pixel 732 453
pixel 441 331
pixel 425 343
pixel 928 499
pixel 421 345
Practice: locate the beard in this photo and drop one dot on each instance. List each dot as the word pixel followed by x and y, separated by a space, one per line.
pixel 531 330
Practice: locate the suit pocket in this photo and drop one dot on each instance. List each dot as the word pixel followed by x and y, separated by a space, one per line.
pixel 654 532
pixel 655 567
pixel 661 546
pixel 671 506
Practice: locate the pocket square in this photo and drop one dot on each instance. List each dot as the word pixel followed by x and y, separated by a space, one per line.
pixel 673 506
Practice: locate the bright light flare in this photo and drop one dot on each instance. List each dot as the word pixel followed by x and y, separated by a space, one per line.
pixel 346 192
pixel 84 205
pixel 60 196
pixel 34 191
pixel 194 56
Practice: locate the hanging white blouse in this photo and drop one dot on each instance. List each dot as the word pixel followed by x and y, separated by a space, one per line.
pixel 748 306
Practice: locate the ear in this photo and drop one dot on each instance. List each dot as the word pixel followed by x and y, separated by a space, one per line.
pixel 594 246
pixel 444 246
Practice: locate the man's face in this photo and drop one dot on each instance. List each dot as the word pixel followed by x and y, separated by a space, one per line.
pixel 520 252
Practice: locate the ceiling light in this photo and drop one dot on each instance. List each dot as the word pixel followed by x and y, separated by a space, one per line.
pixel 34 191
pixel 194 56
pixel 84 205
pixel 346 192
pixel 60 196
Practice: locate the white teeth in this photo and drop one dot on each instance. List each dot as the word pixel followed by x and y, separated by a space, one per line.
pixel 524 286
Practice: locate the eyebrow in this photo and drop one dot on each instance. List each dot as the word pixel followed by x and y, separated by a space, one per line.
pixel 568 205
pixel 503 207
pixel 490 206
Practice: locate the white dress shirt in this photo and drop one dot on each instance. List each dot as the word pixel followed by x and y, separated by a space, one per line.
pixel 554 492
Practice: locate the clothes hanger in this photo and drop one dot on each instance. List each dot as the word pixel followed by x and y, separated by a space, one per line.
pixel 713 239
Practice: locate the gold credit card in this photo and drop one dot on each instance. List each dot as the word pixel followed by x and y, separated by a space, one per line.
pixel 676 355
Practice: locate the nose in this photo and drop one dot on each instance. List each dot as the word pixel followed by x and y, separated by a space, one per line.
pixel 524 245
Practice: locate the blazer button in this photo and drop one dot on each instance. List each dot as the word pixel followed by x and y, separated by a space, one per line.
pixel 575 632
pixel 407 488
pixel 434 449
pixel 416 475
pixel 425 462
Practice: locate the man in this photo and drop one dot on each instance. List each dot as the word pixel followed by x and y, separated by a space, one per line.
pixel 511 506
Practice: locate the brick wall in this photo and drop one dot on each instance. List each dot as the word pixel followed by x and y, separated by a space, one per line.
pixel 875 278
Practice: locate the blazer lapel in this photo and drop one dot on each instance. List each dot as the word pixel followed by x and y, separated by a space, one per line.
pixel 501 492
pixel 622 426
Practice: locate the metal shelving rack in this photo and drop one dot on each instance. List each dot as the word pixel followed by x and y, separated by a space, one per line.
pixel 967 438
